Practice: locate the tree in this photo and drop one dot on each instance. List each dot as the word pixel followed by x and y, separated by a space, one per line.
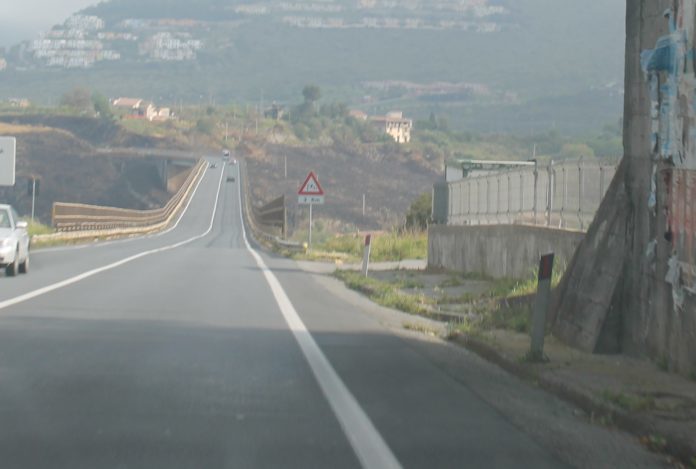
pixel 79 99
pixel 419 212
pixel 311 93
pixel 205 125
pixel 102 106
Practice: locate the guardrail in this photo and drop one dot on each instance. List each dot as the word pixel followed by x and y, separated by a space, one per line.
pixel 75 221
pixel 251 215
pixel 565 195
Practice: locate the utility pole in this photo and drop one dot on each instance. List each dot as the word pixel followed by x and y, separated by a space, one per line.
pixel 363 210
pixel 227 127
pixel 33 197
pixel 285 157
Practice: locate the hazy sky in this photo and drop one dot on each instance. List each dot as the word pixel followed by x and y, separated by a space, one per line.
pixel 23 19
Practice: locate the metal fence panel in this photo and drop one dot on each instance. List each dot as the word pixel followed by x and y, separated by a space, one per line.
pixel 562 194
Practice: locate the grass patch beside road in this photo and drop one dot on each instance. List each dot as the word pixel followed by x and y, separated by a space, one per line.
pixel 36 228
pixel 388 247
pixel 385 293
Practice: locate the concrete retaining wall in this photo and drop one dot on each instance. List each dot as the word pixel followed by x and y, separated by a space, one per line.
pixel 500 251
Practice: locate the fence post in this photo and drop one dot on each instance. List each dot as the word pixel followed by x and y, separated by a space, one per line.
pixel 521 194
pixel 541 308
pixel 536 195
pixel 366 255
pixel 580 194
pixel 509 202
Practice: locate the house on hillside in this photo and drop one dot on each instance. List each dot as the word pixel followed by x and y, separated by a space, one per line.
pixel 3 64
pixel 394 125
pixel 136 108
pixel 21 103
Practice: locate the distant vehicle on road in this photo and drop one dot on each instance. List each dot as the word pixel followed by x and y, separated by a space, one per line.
pixel 234 161
pixel 213 166
pixel 14 242
pixel 226 153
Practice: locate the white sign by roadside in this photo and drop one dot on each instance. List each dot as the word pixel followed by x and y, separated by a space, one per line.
pixel 310 199
pixel 8 151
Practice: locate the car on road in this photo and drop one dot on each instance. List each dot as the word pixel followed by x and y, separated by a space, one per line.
pixel 226 153
pixel 234 161
pixel 14 242
pixel 213 166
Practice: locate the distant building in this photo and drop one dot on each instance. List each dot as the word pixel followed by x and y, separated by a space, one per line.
pixel 140 109
pixel 3 64
pixel 357 114
pixel 130 104
pixel 276 112
pixel 21 103
pixel 163 114
pixel 394 125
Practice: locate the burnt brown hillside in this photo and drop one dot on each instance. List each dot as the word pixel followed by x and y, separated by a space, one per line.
pixel 71 170
pixel 391 179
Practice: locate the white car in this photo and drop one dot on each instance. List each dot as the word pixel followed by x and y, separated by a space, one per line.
pixel 14 242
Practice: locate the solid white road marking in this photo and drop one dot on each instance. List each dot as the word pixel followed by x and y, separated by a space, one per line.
pixel 368 444
pixel 93 272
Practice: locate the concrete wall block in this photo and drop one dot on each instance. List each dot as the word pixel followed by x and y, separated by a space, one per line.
pixel 500 251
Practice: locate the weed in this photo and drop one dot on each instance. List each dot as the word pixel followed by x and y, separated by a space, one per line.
pixel 663 363
pixel 654 443
pixel 629 402
pixel 453 281
pixel 394 246
pixel 36 228
pixel 385 294
pixel 409 326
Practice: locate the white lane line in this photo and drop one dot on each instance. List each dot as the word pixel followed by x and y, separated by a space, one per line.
pixel 368 444
pixel 77 278
pixel 127 240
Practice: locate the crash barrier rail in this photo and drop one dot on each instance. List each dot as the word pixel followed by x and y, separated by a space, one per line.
pixel 82 217
pixel 563 194
pixel 84 225
pixel 265 222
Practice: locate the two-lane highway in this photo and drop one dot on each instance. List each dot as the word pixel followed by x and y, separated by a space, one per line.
pixel 190 349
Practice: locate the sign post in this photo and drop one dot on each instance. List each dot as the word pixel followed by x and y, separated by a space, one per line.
pixel 541 308
pixel 366 255
pixel 310 193
pixel 8 152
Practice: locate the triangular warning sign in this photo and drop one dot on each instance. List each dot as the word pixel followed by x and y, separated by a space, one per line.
pixel 311 186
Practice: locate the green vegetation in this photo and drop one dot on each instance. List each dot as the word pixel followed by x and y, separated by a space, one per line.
pixel 36 228
pixel 419 213
pixel 385 293
pixel 393 246
pixel 534 86
pixel 492 316
pixel 630 402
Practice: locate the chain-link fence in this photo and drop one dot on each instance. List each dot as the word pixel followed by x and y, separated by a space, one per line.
pixel 561 194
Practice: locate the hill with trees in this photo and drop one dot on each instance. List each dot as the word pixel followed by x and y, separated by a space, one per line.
pixel 488 65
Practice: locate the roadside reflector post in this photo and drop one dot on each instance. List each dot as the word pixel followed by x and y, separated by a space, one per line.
pixel 366 255
pixel 541 308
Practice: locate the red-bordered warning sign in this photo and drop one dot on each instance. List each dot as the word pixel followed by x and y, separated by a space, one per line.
pixel 311 186
pixel 311 192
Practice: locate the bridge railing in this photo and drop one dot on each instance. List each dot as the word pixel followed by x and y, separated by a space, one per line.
pixel 563 194
pixel 68 217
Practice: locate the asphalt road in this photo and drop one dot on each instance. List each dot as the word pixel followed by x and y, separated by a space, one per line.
pixel 190 349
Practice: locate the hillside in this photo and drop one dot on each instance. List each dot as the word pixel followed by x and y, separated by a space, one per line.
pixel 389 178
pixel 478 62
pixel 71 170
